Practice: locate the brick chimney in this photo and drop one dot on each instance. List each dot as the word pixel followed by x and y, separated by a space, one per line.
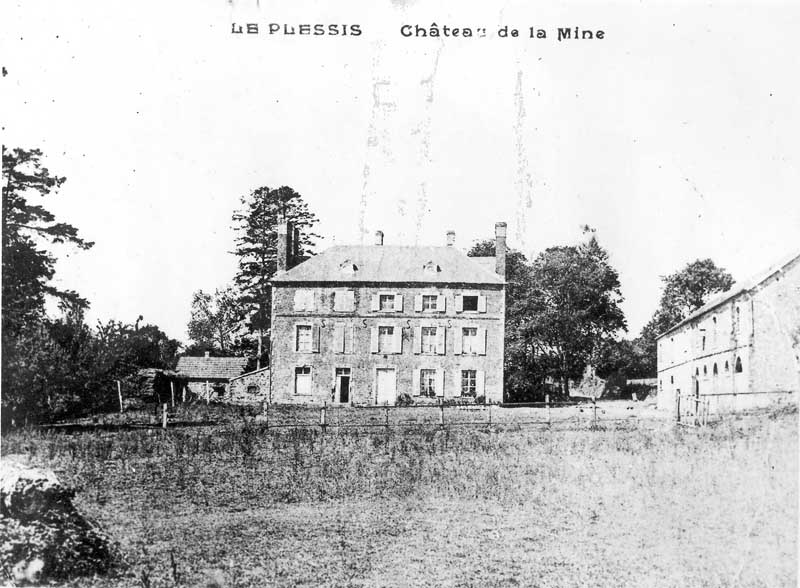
pixel 285 247
pixel 500 249
pixel 451 238
pixel 378 237
pixel 295 259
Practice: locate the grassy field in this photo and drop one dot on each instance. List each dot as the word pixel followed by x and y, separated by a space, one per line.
pixel 633 504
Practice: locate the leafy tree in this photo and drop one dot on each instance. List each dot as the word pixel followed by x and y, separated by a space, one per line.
pixel 28 231
pixel 571 310
pixel 216 319
pixel 684 292
pixel 255 225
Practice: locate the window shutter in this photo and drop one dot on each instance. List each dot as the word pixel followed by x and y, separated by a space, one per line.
pixel 440 382
pixel 457 383
pixel 459 303
pixel 440 303
pixel 418 303
pixel 373 340
pixel 315 339
pixel 398 340
pixel 415 383
pixel 350 297
pixel 398 303
pixel 375 302
pixel 457 341
pixel 481 303
pixel 480 383
pixel 338 338
pixel 417 342
pixel 350 339
pixel 481 341
pixel 440 340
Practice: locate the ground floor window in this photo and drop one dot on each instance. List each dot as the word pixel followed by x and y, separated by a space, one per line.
pixel 469 382
pixel 302 380
pixel 427 383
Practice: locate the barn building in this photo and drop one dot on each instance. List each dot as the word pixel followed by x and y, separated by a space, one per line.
pixel 365 324
pixel 740 350
pixel 208 377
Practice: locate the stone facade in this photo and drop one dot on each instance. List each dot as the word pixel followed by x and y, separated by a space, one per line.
pixel 358 340
pixel 744 342
pixel 252 387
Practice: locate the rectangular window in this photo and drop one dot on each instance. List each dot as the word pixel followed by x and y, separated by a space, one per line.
pixel 470 303
pixel 344 301
pixel 386 302
pixel 303 300
pixel 469 379
pixel 302 380
pixel 303 341
pixel 469 340
pixel 428 339
pixel 386 339
pixel 429 302
pixel 427 383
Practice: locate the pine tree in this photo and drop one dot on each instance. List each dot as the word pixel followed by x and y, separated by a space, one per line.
pixel 256 226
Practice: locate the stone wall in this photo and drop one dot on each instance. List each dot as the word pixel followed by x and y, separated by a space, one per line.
pixel 249 388
pixel 357 324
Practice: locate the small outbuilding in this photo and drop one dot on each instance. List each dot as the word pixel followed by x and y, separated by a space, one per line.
pixel 209 377
pixel 249 388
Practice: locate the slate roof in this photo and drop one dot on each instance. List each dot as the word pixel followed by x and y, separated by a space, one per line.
pixel 392 264
pixel 211 367
pixel 735 290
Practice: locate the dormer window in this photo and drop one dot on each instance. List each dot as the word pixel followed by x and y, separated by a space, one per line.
pixel 348 267
pixel 431 268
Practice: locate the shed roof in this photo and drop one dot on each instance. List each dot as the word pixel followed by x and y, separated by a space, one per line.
pixel 211 367
pixel 735 290
pixel 392 264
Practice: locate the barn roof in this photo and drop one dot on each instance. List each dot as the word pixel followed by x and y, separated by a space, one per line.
pixel 211 367
pixel 735 290
pixel 392 264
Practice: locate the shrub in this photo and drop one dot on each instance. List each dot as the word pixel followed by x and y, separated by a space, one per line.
pixel 404 399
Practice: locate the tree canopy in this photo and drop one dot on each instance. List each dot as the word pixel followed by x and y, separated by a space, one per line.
pixel 255 225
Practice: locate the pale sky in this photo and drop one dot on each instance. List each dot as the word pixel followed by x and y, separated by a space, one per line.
pixel 676 136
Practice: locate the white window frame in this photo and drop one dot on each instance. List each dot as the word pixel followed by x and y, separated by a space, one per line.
pixel 310 380
pixel 304 300
pixel 310 338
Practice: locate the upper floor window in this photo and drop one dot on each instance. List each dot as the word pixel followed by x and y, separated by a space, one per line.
pixel 387 302
pixel 303 339
pixel 428 339
pixel 738 367
pixel 344 301
pixel 469 340
pixel 304 299
pixel 470 303
pixel 716 371
pixel 429 301
pixel 704 342
pixel 386 339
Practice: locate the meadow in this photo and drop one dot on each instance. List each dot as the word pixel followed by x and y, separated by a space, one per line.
pixel 639 503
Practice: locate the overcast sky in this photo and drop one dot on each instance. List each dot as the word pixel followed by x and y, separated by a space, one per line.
pixel 676 136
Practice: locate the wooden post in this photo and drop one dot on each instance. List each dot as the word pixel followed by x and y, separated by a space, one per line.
pixel 322 415
pixel 164 416
pixel 387 416
pixel 678 407
pixel 183 394
pixel 119 393
pixel 697 407
pixel 266 416
pixel 441 414
pixel 594 412
pixel 547 404
pixel 207 396
pixel 490 414
pixel 172 392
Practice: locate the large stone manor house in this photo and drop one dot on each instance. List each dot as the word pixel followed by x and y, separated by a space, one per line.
pixel 365 324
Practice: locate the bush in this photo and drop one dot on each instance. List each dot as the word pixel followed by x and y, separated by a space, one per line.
pixel 404 399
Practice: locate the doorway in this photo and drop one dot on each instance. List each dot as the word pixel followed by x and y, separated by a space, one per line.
pixel 343 385
pixel 386 385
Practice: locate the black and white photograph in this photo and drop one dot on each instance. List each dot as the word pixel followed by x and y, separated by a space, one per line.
pixel 399 293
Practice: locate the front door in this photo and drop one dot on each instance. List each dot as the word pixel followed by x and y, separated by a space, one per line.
pixel 343 385
pixel 386 384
